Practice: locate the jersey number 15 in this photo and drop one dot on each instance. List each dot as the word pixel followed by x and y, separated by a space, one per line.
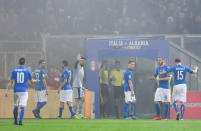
pixel 180 75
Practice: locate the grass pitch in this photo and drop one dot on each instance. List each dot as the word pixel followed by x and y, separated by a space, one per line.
pixel 100 125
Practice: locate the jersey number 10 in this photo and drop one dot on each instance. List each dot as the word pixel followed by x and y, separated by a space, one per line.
pixel 20 77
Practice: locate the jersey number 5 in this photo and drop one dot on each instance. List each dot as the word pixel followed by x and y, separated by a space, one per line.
pixel 20 77
pixel 180 75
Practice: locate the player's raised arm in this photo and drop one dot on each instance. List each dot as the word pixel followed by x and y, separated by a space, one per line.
pixel 195 70
pixel 192 71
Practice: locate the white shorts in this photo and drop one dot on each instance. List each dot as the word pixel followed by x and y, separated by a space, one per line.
pixel 41 96
pixel 20 98
pixel 66 96
pixel 128 97
pixel 179 92
pixel 78 92
pixel 162 95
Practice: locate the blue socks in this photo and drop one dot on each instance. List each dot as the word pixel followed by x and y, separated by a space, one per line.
pixel 175 107
pixel 166 110
pixel 39 106
pixel 182 111
pixel 60 112
pixel 126 109
pixel 22 113
pixel 126 106
pixel 158 110
pixel 15 113
pixel 132 109
pixel 71 111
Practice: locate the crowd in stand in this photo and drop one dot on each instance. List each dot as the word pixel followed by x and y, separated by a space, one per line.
pixel 28 20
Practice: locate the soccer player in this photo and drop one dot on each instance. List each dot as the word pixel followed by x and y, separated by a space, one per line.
pixel 65 90
pixel 40 88
pixel 129 91
pixel 78 87
pixel 180 88
pixel 163 91
pixel 116 78
pixel 20 77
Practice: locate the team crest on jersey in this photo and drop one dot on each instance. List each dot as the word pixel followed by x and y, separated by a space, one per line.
pixel 93 65
pixel 44 75
pixel 129 76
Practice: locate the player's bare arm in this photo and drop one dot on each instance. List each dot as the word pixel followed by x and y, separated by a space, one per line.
pixel 33 81
pixel 62 85
pixel 10 84
pixel 151 78
pixel 164 79
pixel 130 86
pixel 45 84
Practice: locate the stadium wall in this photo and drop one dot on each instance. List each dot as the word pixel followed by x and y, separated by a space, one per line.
pixel 49 111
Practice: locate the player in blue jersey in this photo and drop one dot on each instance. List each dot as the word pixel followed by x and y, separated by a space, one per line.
pixel 65 90
pixel 163 91
pixel 20 77
pixel 180 88
pixel 129 91
pixel 40 88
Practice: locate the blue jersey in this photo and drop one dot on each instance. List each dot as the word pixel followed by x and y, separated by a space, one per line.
pixel 21 75
pixel 66 74
pixel 128 75
pixel 180 73
pixel 162 83
pixel 39 75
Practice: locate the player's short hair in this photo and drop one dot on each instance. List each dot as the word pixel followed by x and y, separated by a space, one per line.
pixel 82 58
pixel 65 62
pixel 177 60
pixel 131 61
pixel 22 61
pixel 41 61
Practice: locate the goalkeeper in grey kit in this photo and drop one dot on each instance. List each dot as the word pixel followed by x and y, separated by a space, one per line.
pixel 78 88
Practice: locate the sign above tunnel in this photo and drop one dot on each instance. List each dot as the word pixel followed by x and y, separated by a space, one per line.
pixel 128 44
